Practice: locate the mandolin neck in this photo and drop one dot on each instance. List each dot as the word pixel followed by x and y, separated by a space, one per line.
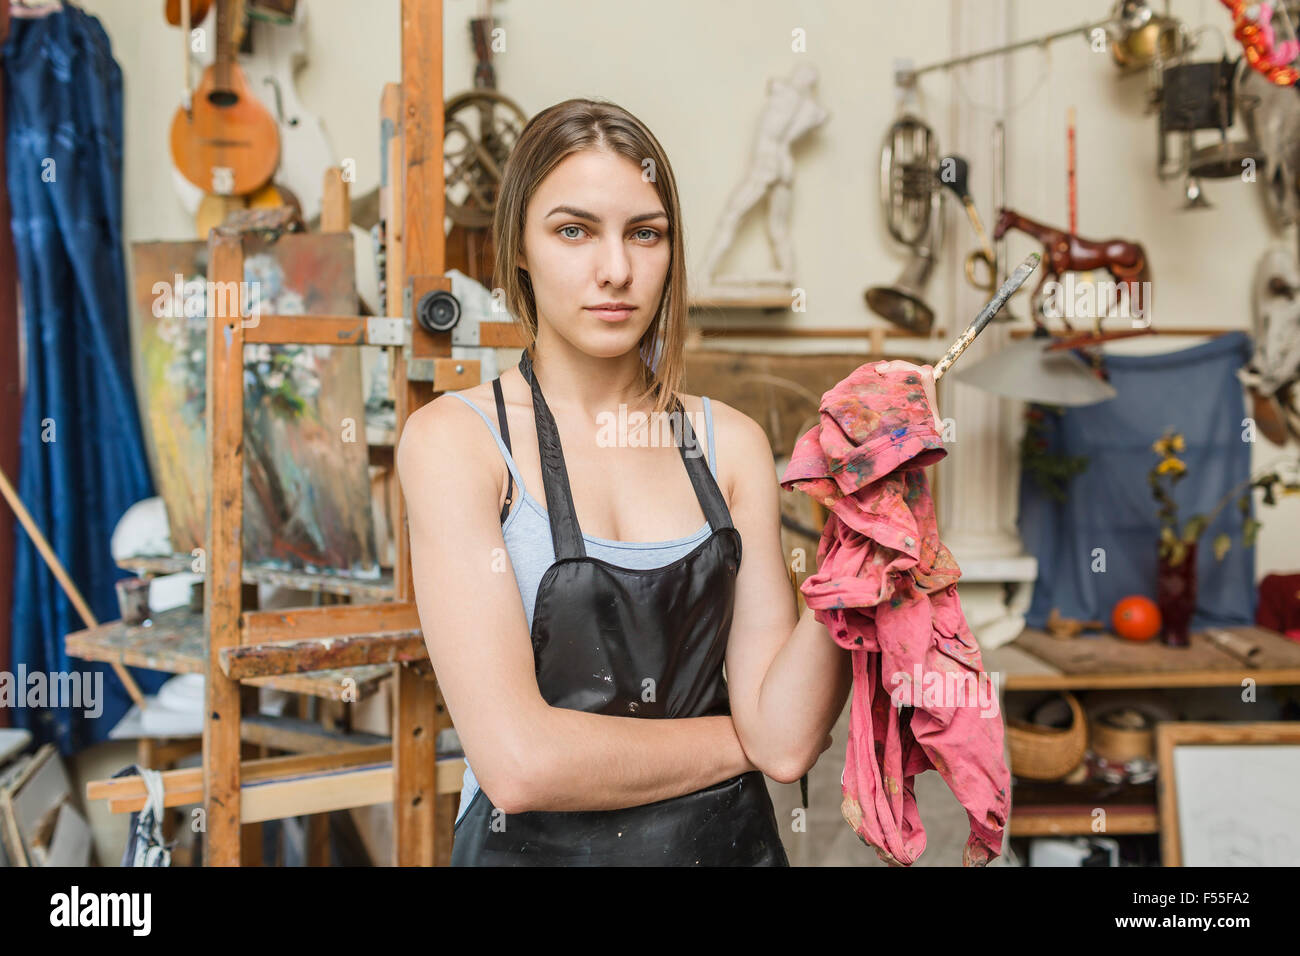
pixel 225 47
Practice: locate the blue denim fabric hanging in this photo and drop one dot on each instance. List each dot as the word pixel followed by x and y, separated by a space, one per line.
pixel 83 459
pixel 1110 506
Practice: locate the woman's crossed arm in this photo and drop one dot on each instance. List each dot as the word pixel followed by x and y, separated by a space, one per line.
pixel 526 754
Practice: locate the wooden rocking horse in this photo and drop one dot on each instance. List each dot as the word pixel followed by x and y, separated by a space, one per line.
pixel 1065 252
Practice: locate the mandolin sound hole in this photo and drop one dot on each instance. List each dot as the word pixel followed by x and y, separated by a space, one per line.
pixel 223 98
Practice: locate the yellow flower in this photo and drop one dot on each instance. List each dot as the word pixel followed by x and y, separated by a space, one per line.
pixel 1169 443
pixel 1170 465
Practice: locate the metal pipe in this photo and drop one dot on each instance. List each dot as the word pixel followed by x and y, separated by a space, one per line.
pixel 907 77
pixel 1000 195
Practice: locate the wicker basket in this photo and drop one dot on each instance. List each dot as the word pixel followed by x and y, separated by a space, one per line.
pixel 1048 753
pixel 1124 734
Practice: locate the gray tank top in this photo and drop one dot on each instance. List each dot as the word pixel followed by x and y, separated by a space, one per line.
pixel 527 534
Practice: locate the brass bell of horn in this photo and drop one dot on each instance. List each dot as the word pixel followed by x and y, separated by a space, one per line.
pixel 902 303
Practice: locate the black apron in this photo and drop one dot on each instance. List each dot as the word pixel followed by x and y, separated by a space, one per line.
pixel 599 631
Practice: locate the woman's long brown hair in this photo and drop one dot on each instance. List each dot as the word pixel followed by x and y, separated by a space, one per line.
pixel 549 137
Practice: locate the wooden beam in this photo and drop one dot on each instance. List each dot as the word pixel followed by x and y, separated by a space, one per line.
pixel 423 194
pixel 334 620
pixel 293 735
pixel 327 582
pixel 416 835
pixel 184 787
pixel 1065 823
pixel 500 335
pixel 452 375
pixel 252 771
pixel 223 585
pixel 318 793
pixel 335 207
pixel 390 195
pixel 415 786
pixel 352 330
pixel 300 736
pixel 321 654
pixel 392 210
pixel 776 331
pixel 307 330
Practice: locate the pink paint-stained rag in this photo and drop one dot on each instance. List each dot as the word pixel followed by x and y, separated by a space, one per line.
pixel 886 589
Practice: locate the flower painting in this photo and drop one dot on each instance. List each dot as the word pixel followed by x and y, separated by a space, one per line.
pixel 306 463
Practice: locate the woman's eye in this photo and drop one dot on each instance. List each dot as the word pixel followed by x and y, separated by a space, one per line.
pixel 647 234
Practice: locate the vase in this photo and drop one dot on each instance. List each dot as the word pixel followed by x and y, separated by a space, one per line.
pixel 1176 597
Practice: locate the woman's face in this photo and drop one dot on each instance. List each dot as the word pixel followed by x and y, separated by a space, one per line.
pixel 596 233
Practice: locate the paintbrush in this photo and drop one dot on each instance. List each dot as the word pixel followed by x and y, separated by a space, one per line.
pixel 994 306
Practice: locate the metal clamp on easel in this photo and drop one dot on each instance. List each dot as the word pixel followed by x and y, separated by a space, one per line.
pixel 440 323
pixel 437 313
pixel 436 324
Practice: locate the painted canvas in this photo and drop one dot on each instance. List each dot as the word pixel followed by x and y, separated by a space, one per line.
pixel 306 476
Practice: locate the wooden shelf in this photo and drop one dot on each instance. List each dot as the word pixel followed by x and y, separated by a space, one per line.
pixel 764 303
pixel 1190 330
pixel 774 331
pixel 332 582
pixel 175 644
pixel 1066 809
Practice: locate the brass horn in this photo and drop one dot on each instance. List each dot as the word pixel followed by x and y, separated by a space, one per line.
pixel 912 206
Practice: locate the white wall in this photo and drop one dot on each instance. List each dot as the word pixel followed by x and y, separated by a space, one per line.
pixel 695 72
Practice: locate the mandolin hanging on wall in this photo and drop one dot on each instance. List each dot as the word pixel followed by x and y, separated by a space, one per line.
pixel 227 142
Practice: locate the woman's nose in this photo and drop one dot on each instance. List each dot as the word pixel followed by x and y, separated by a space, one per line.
pixel 613 266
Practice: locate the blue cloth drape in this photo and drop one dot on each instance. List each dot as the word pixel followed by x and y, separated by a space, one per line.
pixel 83 459
pixel 1110 505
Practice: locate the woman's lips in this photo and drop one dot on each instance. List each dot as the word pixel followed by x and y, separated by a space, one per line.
pixel 611 315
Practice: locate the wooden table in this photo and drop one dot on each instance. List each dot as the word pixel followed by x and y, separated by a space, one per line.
pixel 1037 661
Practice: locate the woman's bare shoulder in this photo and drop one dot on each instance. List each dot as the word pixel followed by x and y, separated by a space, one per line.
pixel 732 428
pixel 446 431
pixel 740 442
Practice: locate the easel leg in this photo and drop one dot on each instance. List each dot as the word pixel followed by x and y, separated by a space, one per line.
pixel 223 560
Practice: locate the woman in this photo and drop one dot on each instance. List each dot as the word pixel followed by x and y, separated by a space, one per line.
pixel 569 575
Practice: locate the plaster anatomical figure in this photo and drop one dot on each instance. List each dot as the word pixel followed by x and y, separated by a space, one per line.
pixel 789 113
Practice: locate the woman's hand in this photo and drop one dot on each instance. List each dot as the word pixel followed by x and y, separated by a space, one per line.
pixel 927 380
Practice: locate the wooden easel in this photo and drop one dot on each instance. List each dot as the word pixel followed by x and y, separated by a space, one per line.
pixel 250 646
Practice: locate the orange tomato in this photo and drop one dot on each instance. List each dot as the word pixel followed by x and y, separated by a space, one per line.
pixel 1136 618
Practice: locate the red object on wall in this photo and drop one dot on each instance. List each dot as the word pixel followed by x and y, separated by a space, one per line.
pixel 1279 604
